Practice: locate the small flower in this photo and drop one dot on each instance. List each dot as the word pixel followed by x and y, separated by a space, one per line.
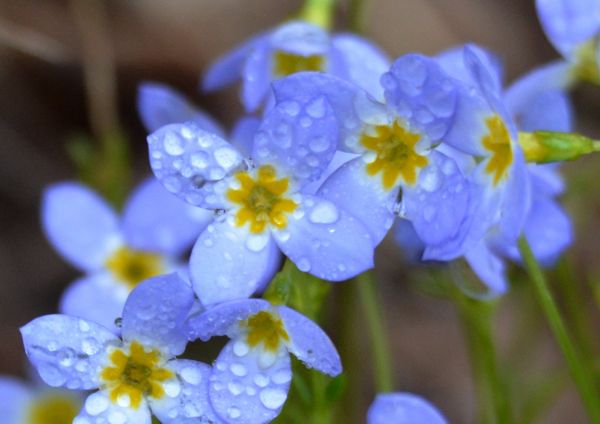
pixel 251 377
pixel 293 47
pixel 22 403
pixel 133 374
pixel 116 254
pixel 403 408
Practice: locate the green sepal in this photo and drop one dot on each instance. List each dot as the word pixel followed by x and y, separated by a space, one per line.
pixel 550 146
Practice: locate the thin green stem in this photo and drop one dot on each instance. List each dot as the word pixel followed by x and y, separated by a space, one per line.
pixel 357 15
pixel 582 376
pixel 318 12
pixel 379 341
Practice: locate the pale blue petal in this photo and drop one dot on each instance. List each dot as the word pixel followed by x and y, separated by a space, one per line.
pixel 228 68
pixel 15 398
pixel 256 76
pixel 246 391
pixel 154 220
pixel 363 62
pixel 326 241
pixel 300 137
pixel 569 23
pixel 99 409
pixel 242 134
pixel 408 239
pixel 403 408
pixel 363 196
pixel 489 268
pixel 309 343
pixel 548 111
pixel 67 351
pixel 228 262
pixel 96 297
pixel 155 313
pixel 420 92
pixel 192 163
pixel 300 38
pixel 221 320
pixel 160 105
pixel 546 179
pixel 189 398
pixel 339 158
pixel 81 226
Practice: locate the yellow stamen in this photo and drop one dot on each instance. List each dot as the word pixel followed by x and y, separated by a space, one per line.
pixel 53 409
pixel 133 266
pixel 396 156
pixel 261 200
pixel 498 142
pixel 135 374
pixel 285 63
pixel 266 328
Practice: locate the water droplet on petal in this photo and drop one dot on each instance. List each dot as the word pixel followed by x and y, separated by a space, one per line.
pixel 324 212
pixel 273 398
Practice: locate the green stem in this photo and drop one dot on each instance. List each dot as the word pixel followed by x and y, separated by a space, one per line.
pixel 357 16
pixel 582 377
pixel 318 12
pixel 379 342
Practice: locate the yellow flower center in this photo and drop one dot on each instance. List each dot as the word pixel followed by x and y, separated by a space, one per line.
pixel 396 156
pixel 261 199
pixel 285 63
pixel 498 142
pixel 586 65
pixel 135 374
pixel 53 409
pixel 133 266
pixel 266 328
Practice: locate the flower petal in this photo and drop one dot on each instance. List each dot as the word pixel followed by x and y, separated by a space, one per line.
pixel 14 400
pixel 96 297
pixel 243 390
pixel 298 136
pixel 190 400
pixel 326 241
pixel 548 111
pixel 155 312
pixel 228 262
pixel 79 224
pixel 363 196
pixel 242 134
pixel 256 76
pixel 160 105
pixel 489 268
pixel 403 408
pixel 155 220
pixel 309 343
pixel 192 163
pixel 300 38
pixel 67 351
pixel 99 409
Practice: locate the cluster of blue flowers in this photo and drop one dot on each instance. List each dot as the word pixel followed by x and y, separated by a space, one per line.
pixel 343 143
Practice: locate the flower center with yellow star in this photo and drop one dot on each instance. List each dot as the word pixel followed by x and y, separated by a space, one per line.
pixel 134 266
pixel 285 63
pixel 498 142
pixel 53 409
pixel 396 158
pixel 267 329
pixel 135 374
pixel 261 199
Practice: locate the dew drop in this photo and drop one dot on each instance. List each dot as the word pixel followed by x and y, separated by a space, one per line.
pixel 324 212
pixel 273 398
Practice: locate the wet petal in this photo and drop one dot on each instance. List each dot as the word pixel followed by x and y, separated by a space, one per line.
pixel 14 400
pixel 220 320
pixel 155 312
pixel 257 77
pixel 155 220
pixel 246 392
pixel 309 343
pixel 190 400
pixel 79 224
pixel 242 134
pixel 408 240
pixel 299 136
pixel 192 163
pixel 301 38
pixel 228 262
pixel 489 268
pixel 67 351
pixel 403 408
pixel 363 196
pixel 99 409
pixel 326 241
pixel 160 105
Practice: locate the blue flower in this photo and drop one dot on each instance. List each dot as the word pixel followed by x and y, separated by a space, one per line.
pixel 292 47
pixel 22 403
pixel 251 377
pixel 134 375
pixel 116 254
pixel 403 408
pixel 264 204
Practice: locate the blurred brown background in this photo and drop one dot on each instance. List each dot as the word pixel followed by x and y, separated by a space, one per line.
pixel 43 103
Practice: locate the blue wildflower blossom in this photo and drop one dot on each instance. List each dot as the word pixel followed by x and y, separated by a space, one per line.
pixel 22 403
pixel 250 379
pixel 403 408
pixel 116 254
pixel 263 205
pixel 293 47
pixel 134 375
